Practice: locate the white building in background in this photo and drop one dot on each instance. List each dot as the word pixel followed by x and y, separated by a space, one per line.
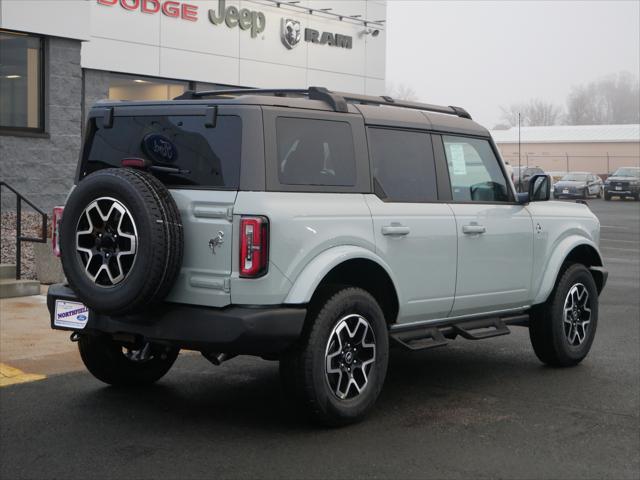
pixel 58 57
pixel 600 149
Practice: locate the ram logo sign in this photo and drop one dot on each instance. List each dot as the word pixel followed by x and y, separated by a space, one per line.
pixel 291 34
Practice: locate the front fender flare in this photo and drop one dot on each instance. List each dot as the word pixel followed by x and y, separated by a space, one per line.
pixel 308 280
pixel 555 262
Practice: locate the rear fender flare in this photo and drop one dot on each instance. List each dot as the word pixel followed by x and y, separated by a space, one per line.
pixel 308 280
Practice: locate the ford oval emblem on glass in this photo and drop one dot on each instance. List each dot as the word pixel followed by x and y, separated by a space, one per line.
pixel 159 148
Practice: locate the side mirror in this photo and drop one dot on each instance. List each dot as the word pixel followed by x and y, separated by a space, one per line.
pixel 539 188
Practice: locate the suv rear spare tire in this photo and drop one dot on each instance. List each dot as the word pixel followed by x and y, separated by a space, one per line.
pixel 121 240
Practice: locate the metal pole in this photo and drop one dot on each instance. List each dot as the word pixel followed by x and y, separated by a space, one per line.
pixel 567 155
pixel 519 158
pixel 608 168
pixel 18 235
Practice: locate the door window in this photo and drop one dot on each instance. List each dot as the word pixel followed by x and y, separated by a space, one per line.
pixel 474 171
pixel 403 165
pixel 315 152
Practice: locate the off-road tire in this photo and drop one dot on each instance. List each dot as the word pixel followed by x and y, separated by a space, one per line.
pixel 106 361
pixel 546 329
pixel 303 369
pixel 159 240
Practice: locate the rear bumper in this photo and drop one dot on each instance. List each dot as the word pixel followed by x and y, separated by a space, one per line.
pixel 237 330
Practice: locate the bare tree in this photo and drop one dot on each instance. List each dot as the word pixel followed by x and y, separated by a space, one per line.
pixel 509 115
pixel 534 113
pixel 541 113
pixel 611 100
pixel 402 92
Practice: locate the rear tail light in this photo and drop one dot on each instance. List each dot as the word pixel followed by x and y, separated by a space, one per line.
pixel 55 230
pixel 254 246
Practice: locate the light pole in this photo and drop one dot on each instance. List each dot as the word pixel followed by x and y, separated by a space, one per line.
pixel 519 158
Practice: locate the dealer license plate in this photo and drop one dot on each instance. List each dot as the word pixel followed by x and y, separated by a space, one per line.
pixel 70 315
pixel 566 190
pixel 618 188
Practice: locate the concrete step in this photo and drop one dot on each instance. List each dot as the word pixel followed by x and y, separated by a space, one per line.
pixel 7 270
pixel 18 288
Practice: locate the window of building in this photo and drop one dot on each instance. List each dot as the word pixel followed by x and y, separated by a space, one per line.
pixel 135 87
pixel 315 152
pixel 403 165
pixel 474 170
pixel 21 85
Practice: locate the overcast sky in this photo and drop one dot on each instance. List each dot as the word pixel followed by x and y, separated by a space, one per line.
pixel 480 55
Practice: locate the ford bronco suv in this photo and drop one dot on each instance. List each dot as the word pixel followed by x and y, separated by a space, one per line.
pixel 314 228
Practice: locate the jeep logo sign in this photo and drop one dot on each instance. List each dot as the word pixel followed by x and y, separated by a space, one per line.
pixel 244 18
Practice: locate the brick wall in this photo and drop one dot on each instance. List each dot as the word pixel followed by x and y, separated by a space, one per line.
pixel 42 168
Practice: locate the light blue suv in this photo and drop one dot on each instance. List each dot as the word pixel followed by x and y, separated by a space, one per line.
pixel 315 228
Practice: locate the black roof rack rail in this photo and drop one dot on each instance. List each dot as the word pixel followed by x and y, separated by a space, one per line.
pixel 337 100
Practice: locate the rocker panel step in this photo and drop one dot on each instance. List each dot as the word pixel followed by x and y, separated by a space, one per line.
pixel 420 339
pixel 495 325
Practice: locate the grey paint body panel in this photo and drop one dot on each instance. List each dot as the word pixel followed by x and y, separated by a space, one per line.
pixel 437 270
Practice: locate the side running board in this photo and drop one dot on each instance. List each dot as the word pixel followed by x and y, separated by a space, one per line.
pixel 493 327
pixel 420 338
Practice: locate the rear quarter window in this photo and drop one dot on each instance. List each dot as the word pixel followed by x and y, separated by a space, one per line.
pixel 315 152
pixel 207 157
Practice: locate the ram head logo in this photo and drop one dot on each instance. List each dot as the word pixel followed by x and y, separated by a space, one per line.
pixel 291 32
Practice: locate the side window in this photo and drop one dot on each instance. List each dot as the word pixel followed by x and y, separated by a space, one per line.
pixel 315 152
pixel 403 165
pixel 474 170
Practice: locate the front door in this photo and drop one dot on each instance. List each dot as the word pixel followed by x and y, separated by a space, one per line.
pixel 414 235
pixel 495 234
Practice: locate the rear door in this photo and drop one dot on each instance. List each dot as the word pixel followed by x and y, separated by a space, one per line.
pixel 414 234
pixel 201 159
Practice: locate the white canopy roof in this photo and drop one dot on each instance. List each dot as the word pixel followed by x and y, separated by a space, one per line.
pixel 569 134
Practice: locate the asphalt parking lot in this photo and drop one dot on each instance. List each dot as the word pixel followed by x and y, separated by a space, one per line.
pixel 469 410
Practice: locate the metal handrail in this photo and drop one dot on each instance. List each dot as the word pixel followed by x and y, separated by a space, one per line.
pixel 19 238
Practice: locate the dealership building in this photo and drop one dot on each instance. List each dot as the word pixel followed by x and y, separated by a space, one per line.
pixel 57 58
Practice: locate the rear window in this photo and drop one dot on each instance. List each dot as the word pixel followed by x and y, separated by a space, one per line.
pixel 315 152
pixel 207 157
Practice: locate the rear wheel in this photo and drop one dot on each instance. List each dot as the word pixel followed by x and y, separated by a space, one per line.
pixel 562 329
pixel 338 371
pixel 115 364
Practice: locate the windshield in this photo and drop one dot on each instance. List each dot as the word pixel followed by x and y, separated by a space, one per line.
pixel 575 177
pixel 627 172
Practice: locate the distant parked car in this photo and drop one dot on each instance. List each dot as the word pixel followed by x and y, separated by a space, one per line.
pixel 578 184
pixel 625 182
pixel 522 185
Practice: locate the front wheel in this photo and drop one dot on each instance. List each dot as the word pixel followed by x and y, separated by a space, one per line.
pixel 118 365
pixel 338 371
pixel 607 197
pixel 562 329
